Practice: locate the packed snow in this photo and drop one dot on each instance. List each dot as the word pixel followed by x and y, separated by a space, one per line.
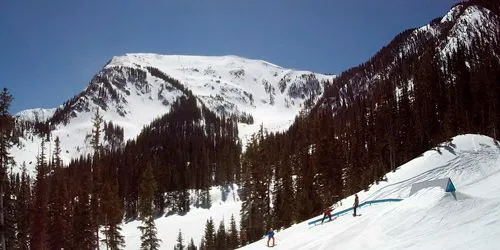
pixel 429 219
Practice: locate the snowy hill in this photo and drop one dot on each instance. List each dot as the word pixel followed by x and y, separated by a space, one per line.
pixel 134 89
pixel 429 219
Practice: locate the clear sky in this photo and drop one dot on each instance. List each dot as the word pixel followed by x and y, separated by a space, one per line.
pixel 50 50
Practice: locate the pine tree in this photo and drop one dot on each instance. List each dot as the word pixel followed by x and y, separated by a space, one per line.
pixel 233 240
pixel 180 244
pixel 209 238
pixel 191 245
pixel 39 237
pixel 82 228
pixel 96 178
pixel 205 198
pixel 23 210
pixel 10 212
pixel 254 193
pixel 95 140
pixel 112 211
pixel 58 204
pixel 221 237
pixel 149 241
pixel 147 189
pixel 6 126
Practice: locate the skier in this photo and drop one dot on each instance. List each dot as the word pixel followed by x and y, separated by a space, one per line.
pixel 327 212
pixel 356 203
pixel 270 235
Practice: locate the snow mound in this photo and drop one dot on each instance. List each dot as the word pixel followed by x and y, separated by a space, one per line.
pixel 430 218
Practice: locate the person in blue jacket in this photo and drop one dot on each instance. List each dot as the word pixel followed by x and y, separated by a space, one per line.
pixel 270 236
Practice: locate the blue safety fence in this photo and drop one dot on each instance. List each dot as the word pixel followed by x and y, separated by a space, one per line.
pixel 350 209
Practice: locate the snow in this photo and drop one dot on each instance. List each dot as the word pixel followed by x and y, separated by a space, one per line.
pixel 192 225
pixel 38 114
pixel 429 219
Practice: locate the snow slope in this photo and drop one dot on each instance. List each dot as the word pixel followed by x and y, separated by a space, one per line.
pixel 429 219
pixel 192 225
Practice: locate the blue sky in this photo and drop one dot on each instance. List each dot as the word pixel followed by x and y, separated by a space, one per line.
pixel 51 49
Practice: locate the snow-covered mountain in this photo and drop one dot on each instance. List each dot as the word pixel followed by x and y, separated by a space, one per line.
pixel 133 89
pixel 429 219
pixel 455 36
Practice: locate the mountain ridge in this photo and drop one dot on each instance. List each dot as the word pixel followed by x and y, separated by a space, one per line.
pixel 133 89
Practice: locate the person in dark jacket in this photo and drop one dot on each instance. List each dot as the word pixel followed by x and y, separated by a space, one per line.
pixel 356 203
pixel 270 236
pixel 327 212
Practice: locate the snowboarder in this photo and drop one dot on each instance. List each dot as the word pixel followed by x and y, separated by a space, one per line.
pixel 327 212
pixel 356 203
pixel 270 236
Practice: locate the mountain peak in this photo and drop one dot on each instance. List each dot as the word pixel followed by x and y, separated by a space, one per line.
pixel 134 89
pixel 152 59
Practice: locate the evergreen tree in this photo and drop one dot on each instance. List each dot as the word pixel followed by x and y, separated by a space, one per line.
pixel 255 189
pixel 146 194
pixel 82 228
pixel 23 211
pixel 6 126
pixel 96 178
pixel 233 240
pixel 39 237
pixel 58 204
pixel 180 244
pixel 149 240
pixel 11 240
pixel 112 211
pixel 209 239
pixel 221 237
pixel 191 245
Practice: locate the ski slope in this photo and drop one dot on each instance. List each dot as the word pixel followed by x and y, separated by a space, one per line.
pixel 429 219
